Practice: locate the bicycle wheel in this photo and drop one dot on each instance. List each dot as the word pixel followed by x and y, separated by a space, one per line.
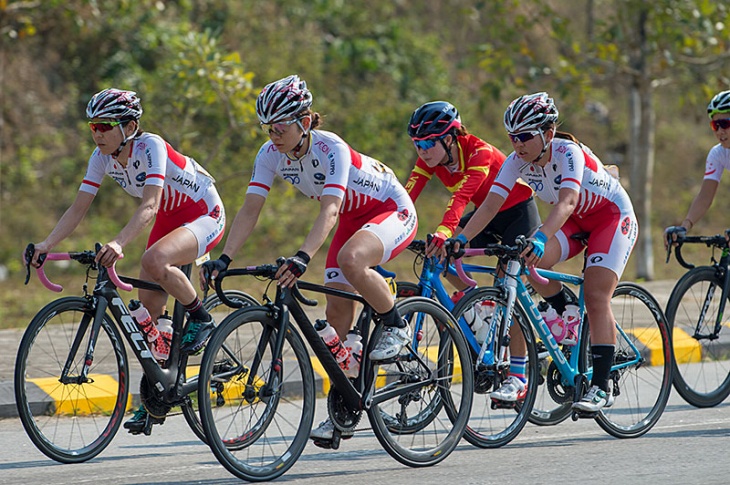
pixel 493 424
pixel 431 382
pixel 70 422
pixel 701 358
pixel 219 311
pixel 257 417
pixel 640 383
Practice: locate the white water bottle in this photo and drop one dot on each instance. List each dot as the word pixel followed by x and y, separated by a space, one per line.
pixel 353 344
pixel 161 346
pixel 485 311
pixel 144 320
pixel 332 341
pixel 571 317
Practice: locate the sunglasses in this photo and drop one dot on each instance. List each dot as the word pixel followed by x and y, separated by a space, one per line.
pixel 723 123
pixel 103 126
pixel 425 144
pixel 523 137
pixel 277 128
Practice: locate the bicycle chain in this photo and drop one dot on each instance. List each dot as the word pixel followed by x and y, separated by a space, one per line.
pixel 154 406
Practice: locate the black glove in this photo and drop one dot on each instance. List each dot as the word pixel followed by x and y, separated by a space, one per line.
pixel 297 264
pixel 220 264
pixel 679 231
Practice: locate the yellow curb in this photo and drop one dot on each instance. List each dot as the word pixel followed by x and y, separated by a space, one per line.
pixel 76 400
pixel 686 349
pixel 432 353
pixel 319 370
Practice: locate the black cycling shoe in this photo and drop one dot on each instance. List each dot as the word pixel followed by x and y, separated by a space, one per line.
pixel 196 335
pixel 142 422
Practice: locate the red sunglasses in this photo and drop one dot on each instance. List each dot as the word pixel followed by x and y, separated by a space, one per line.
pixel 103 126
pixel 723 123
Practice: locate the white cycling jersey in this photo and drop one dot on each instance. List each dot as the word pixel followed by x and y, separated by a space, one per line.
pixel 330 167
pixel 718 160
pixel 152 161
pixel 604 208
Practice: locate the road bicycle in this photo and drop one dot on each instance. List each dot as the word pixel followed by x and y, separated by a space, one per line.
pixel 73 349
pixel 257 415
pixel 545 411
pixel 695 312
pixel 641 374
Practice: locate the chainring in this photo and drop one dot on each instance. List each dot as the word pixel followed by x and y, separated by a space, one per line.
pixel 151 402
pixel 344 418
pixel 558 392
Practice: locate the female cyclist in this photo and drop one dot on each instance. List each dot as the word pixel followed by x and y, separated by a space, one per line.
pixel 718 160
pixel 377 219
pixel 467 166
pixel 177 194
pixel 585 199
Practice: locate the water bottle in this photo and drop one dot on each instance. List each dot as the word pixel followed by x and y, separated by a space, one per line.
pixel 571 317
pixel 485 311
pixel 332 341
pixel 471 317
pixel 553 321
pixel 161 346
pixel 353 344
pixel 144 320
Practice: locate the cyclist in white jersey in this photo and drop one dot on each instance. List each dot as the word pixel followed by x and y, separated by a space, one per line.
pixel 377 219
pixel 176 193
pixel 586 199
pixel 718 160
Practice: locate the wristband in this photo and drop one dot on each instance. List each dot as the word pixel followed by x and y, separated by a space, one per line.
pixel 540 236
pixel 462 239
pixel 303 256
pixel 226 259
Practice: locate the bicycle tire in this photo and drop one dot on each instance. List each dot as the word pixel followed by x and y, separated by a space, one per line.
pixel 644 387
pixel 257 431
pixel 438 349
pixel 70 423
pixel 191 363
pixel 492 426
pixel 701 366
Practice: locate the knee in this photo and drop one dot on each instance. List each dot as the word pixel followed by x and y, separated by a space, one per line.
pixel 153 264
pixel 350 262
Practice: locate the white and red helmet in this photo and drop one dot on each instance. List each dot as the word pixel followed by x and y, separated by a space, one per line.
pixel 283 99
pixel 530 112
pixel 116 104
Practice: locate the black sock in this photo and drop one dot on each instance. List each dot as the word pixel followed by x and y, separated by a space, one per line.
pixel 392 318
pixel 558 301
pixel 602 362
pixel 197 311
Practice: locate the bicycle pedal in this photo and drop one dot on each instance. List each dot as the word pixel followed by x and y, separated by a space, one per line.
pixel 584 415
pixel 326 444
pixel 497 404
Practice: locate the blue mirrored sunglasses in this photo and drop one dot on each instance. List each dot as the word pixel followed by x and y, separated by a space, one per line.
pixel 425 144
pixel 523 137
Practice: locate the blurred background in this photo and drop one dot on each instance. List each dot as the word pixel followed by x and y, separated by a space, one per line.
pixel 632 80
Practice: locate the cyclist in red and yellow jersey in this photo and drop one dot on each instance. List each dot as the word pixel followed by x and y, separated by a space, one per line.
pixel 467 166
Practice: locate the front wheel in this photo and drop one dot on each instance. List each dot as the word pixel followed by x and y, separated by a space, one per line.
pixel 257 408
pixel 71 420
pixel 495 423
pixel 421 402
pixel 641 375
pixel 701 353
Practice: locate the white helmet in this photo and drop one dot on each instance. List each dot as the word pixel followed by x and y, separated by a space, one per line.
pixel 116 104
pixel 530 112
pixel 720 104
pixel 282 99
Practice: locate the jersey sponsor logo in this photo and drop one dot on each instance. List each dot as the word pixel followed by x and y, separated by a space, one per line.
pixel 536 185
pixel 136 164
pixel 315 162
pixel 216 212
pixel 187 183
pixel 558 179
pixel 141 177
pixel 368 184
pixel 120 181
pixel 602 184
pixel 323 147
pixel 596 259
pixel 332 274
pixel 625 226
pixel 319 176
pixel 292 179
pixel 332 165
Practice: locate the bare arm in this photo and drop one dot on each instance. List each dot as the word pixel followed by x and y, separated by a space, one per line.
pixel 483 215
pixel 567 201
pixel 65 225
pixel 701 203
pixel 143 216
pixel 244 223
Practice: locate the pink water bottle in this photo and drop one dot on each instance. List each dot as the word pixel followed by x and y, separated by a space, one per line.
pixel 332 341
pixel 161 346
pixel 353 344
pixel 553 321
pixel 144 320
pixel 571 317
